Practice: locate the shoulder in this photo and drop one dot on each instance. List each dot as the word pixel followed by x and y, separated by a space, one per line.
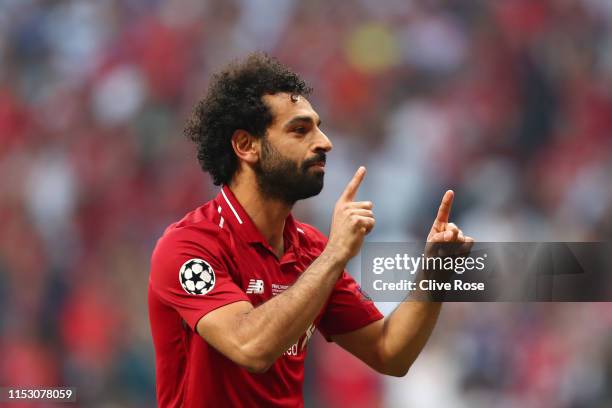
pixel 195 237
pixel 311 236
pixel 196 229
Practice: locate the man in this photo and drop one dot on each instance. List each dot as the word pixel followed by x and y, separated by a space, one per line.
pixel 238 286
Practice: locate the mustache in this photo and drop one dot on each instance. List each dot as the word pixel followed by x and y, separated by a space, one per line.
pixel 319 157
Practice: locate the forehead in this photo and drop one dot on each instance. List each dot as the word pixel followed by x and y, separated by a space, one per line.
pixel 284 109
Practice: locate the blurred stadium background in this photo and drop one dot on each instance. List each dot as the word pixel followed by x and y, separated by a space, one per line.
pixel 509 103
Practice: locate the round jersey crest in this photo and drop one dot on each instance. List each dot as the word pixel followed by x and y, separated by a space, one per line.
pixel 197 277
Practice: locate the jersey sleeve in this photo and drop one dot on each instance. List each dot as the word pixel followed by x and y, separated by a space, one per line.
pixel 190 273
pixel 348 309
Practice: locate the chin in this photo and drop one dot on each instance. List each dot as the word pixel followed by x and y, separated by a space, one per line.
pixel 308 189
pixel 316 189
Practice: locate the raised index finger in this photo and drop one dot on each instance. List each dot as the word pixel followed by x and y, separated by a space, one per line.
pixel 445 208
pixel 351 189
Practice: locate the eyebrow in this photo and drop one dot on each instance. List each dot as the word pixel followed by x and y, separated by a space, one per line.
pixel 299 119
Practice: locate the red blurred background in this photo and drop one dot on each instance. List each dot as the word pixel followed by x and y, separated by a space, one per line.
pixel 508 103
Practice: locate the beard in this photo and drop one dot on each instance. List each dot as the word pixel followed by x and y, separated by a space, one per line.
pixel 281 178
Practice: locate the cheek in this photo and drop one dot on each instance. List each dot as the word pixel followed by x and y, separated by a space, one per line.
pixel 274 155
pixel 293 149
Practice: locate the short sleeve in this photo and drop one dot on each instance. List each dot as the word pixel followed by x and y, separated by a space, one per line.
pixel 348 309
pixel 189 272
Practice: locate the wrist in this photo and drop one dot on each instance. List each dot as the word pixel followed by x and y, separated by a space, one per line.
pixel 335 257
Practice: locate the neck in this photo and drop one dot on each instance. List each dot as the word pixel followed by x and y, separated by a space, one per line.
pixel 267 214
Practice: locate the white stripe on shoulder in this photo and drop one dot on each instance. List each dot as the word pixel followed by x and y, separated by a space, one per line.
pixel 231 207
pixel 300 230
pixel 221 221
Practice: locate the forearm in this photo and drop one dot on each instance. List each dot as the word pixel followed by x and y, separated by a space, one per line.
pixel 272 327
pixel 405 332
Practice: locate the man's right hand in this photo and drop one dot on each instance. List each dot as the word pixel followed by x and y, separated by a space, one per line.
pixel 351 221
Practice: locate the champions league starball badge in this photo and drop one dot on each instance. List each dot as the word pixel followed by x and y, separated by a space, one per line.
pixel 197 277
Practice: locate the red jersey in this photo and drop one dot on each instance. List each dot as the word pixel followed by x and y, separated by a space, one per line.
pixel 215 256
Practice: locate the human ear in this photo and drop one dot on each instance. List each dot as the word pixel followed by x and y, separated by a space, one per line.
pixel 246 146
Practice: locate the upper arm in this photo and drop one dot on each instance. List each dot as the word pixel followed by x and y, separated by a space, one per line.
pixel 214 310
pixel 352 321
pixel 214 292
pixel 364 343
pixel 348 309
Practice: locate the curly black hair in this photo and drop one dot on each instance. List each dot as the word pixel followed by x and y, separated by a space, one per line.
pixel 234 101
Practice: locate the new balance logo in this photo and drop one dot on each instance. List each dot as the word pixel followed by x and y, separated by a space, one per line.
pixel 256 286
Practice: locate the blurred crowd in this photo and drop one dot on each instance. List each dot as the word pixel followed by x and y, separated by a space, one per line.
pixel 508 103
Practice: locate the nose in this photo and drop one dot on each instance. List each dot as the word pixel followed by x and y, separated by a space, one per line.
pixel 322 143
